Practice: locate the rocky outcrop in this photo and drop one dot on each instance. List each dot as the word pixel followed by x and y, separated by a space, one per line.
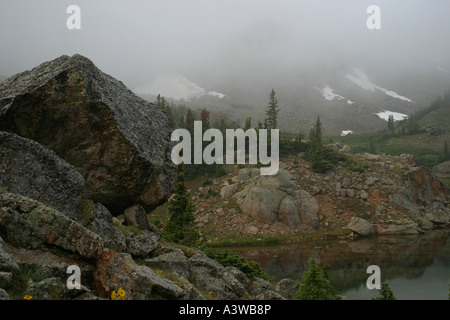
pixel 117 141
pixel 31 224
pixel 29 169
pixel 277 198
pixel 43 243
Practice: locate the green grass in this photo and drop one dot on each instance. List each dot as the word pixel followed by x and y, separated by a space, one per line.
pixel 398 171
pixel 422 146
pixel 128 229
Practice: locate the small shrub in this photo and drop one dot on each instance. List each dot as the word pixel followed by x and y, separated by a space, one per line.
pixel 385 293
pixel 229 258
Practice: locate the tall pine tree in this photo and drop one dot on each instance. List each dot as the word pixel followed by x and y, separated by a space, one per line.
pixel 315 151
pixel 272 112
pixel 181 227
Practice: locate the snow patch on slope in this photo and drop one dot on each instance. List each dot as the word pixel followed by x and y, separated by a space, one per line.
pixel 397 115
pixel 361 79
pixel 346 133
pixel 329 94
pixel 176 86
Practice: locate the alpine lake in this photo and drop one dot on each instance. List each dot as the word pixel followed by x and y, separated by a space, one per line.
pixel 415 267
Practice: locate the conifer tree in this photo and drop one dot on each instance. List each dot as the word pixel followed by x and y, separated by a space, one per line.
pixel 315 283
pixel 446 154
pixel 190 121
pixel 315 152
pixel 181 227
pixel 272 112
pixel 204 117
pixel 391 123
pixel 248 123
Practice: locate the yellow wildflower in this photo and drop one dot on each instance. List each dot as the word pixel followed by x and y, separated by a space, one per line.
pixel 121 294
pixel 27 297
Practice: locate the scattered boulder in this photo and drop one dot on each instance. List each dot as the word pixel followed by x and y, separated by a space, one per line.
pixel 227 191
pixel 346 149
pixel 143 244
pixel 361 226
pixel 371 157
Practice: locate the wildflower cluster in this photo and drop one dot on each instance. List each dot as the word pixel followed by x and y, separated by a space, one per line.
pixel 120 295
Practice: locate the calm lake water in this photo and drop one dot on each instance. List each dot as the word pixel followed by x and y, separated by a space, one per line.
pixel 416 267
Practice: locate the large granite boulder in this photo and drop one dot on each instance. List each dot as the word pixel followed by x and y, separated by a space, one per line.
pixel 119 142
pixel 30 169
pixel 276 198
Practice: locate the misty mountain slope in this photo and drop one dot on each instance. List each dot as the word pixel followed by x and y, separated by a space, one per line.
pixel 344 98
pixel 423 135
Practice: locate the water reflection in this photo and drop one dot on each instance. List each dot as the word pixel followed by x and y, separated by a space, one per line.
pixel 416 267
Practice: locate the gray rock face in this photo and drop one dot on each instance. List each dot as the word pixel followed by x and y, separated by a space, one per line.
pixel 7 264
pixel 28 223
pixel 287 288
pixel 211 276
pixel 269 199
pixel 174 261
pixel 148 284
pixel 117 141
pixel 47 265
pixel 29 169
pixel 101 222
pixel 361 226
pixel 227 191
pixel 399 229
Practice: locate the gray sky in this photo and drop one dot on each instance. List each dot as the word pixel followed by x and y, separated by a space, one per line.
pixel 212 40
